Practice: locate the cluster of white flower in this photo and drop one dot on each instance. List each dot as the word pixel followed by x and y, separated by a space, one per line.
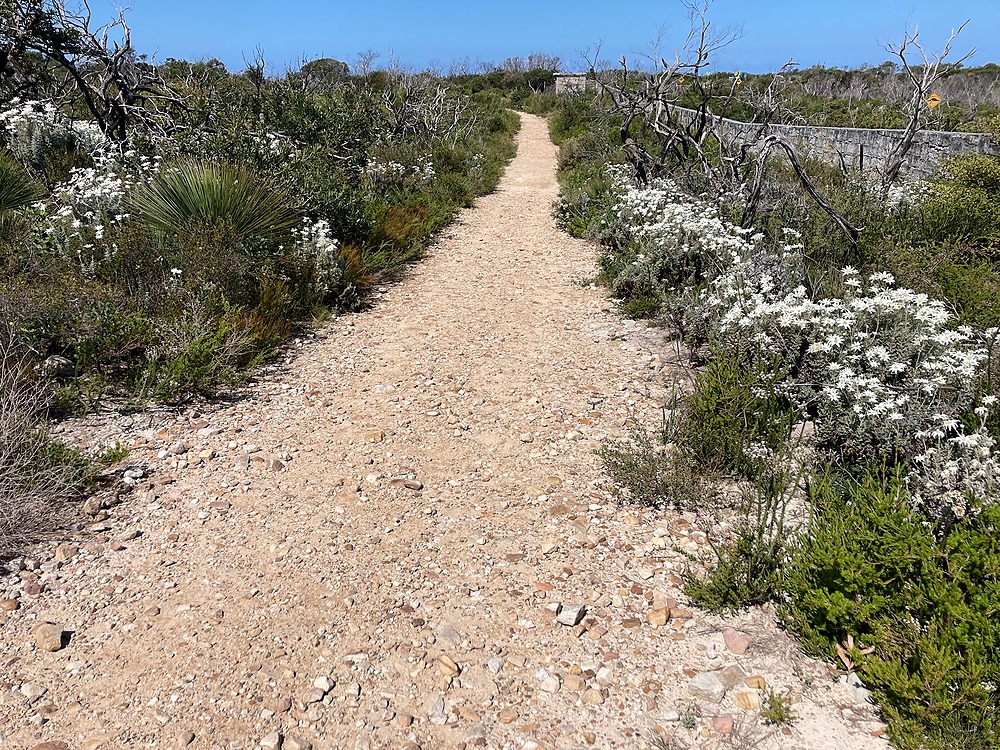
pixel 874 352
pixel 909 193
pixel 315 243
pixel 424 168
pixel 957 468
pixel 676 236
pixel 874 359
pixel 379 171
pixel 31 128
pixel 390 171
pixel 475 164
pixel 94 199
pixel 273 148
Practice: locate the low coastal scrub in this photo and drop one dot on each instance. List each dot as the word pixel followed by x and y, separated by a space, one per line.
pixel 853 413
pixel 164 228
pixel 39 475
pixel 169 265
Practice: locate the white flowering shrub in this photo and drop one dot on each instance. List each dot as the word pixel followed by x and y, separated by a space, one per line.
pixel 683 240
pixel 883 371
pixel 92 201
pixel 314 244
pixel 392 172
pixel 908 193
pixel 958 470
pixel 31 129
pixel 386 171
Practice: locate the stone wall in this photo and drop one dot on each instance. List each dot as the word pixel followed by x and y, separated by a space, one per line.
pixel 573 83
pixel 867 150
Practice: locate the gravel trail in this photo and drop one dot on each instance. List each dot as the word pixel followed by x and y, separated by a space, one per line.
pixel 400 537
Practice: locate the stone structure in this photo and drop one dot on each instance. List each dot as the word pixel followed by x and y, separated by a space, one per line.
pixel 574 83
pixel 863 149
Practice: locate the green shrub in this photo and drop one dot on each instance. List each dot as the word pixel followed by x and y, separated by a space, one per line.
pixel 734 420
pixel 17 189
pixel 651 469
pixel 777 709
pixel 199 191
pixel 205 342
pixel 869 567
pixel 211 253
pixel 746 569
pixel 646 305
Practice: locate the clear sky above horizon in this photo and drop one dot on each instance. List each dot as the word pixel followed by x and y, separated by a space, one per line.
pixel 420 34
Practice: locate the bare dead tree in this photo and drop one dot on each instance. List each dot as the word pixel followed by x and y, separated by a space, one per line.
pixel 922 76
pixel 364 63
pixel 421 104
pixel 651 98
pixel 462 67
pixel 97 64
pixel 694 140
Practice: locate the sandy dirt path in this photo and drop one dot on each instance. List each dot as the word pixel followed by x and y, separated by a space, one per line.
pixel 387 542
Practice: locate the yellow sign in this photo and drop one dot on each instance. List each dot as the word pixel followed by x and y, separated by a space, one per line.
pixel 933 100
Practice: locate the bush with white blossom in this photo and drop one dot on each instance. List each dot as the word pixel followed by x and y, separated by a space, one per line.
pixel 314 243
pixel 32 128
pixel 883 371
pixel 92 200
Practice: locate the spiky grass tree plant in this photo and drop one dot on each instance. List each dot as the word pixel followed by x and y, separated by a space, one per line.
pixel 205 193
pixel 17 190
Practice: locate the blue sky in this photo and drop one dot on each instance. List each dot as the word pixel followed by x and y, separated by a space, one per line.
pixel 418 33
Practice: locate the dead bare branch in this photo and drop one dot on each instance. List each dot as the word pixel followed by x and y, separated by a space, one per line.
pixel 922 76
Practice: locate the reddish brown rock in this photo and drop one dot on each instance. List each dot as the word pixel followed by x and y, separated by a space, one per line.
pixel 736 642
pixel 723 724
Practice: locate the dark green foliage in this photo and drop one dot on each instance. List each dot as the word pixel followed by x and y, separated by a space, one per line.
pixel 946 243
pixel 734 421
pixel 17 189
pixel 642 305
pixel 587 144
pixel 869 567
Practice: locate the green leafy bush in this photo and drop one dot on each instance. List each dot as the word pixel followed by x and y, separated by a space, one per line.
pixel 777 708
pixel 869 567
pixel 734 420
pixel 746 568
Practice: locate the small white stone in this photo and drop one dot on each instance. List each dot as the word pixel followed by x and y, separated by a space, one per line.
pixel 324 683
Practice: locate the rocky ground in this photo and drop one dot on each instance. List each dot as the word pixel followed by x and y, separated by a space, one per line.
pixel 400 537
